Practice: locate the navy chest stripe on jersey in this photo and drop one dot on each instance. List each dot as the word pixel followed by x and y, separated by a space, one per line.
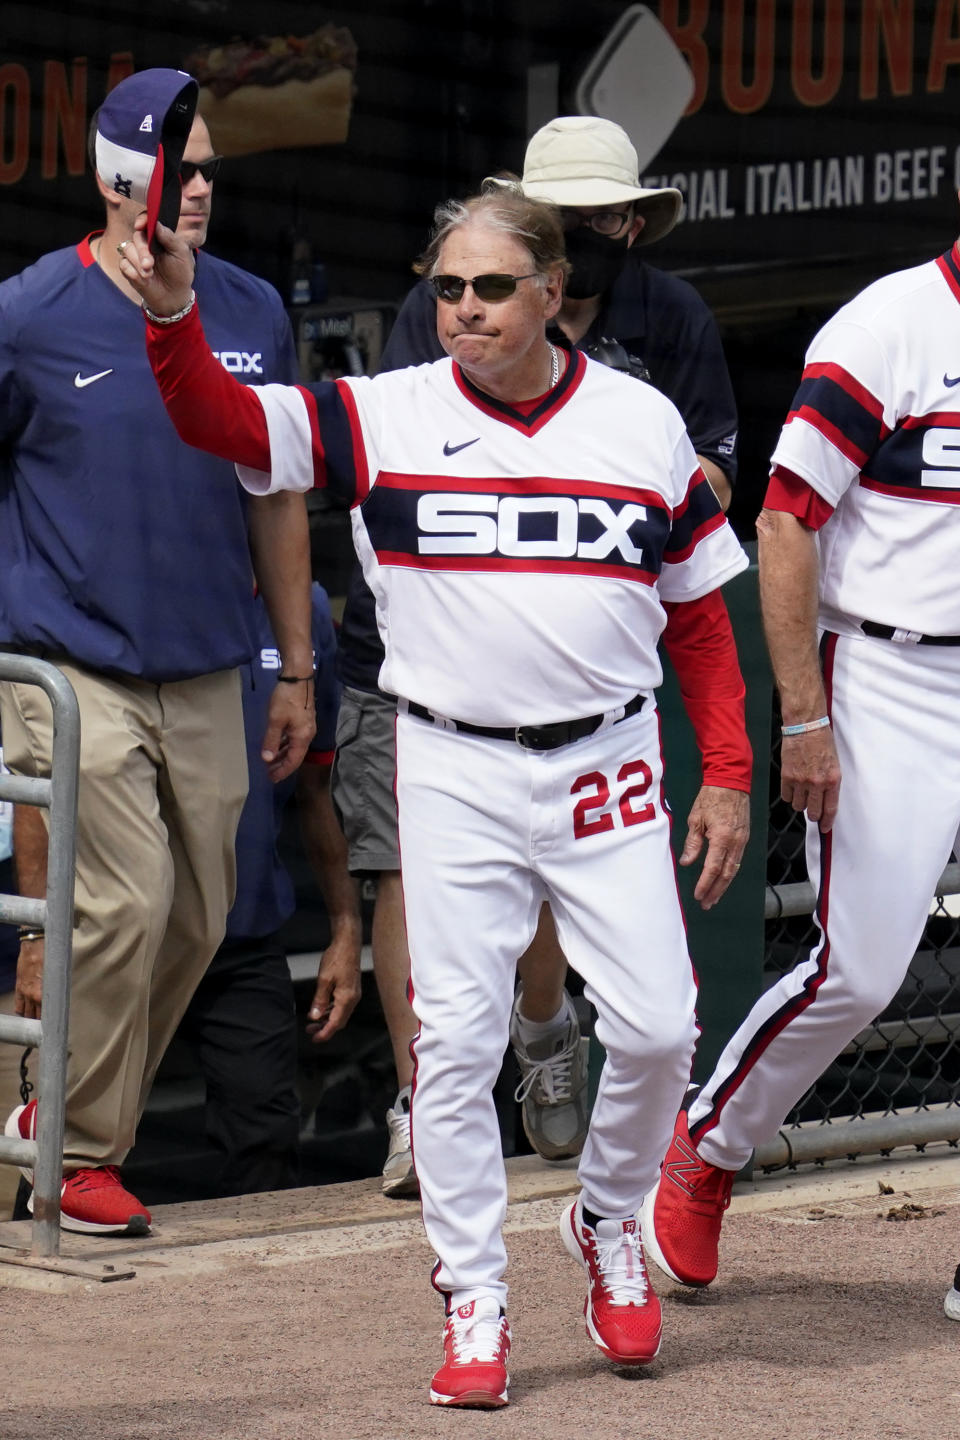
pixel 591 533
pixel 340 462
pixel 530 424
pixel 841 410
pixel 919 461
pixel 697 517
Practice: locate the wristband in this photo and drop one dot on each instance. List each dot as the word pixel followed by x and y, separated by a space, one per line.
pixel 170 319
pixel 296 679
pixel 805 729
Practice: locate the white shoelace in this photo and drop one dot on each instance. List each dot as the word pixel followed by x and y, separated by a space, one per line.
pixel 399 1125
pixel 479 1336
pixel 553 1073
pixel 621 1265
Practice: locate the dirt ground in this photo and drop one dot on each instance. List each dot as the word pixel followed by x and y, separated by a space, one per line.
pixel 827 1321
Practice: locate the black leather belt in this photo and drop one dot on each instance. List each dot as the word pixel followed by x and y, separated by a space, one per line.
pixel 532 737
pixel 905 637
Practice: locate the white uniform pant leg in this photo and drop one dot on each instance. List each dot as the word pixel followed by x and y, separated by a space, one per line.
pixel 471 907
pixel 613 892
pixel 894 712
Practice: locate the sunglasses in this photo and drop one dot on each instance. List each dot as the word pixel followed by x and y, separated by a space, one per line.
pixel 490 288
pixel 207 168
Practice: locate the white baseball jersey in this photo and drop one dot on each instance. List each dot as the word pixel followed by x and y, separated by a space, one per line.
pixel 875 430
pixel 518 561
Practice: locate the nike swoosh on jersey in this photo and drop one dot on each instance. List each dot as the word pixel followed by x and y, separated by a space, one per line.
pixel 81 380
pixel 951 380
pixel 449 449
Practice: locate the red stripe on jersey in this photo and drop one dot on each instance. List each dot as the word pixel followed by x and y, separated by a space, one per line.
pixel 943 265
pixel 935 420
pixel 356 434
pixel 316 440
pixel 695 478
pixel 713 523
pixel 517 566
pixel 830 432
pixel 912 492
pixel 524 485
pixel 507 415
pixel 843 378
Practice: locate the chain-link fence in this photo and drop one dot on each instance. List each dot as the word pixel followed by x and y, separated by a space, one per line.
pixel 906 1065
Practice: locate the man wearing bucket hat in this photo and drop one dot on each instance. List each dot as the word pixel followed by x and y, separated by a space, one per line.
pixel 635 318
pixel 111 569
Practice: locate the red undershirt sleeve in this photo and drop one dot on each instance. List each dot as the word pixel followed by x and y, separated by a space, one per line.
pixel 699 641
pixel 209 408
pixel 789 493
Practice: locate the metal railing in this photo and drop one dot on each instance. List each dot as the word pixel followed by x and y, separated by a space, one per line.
pixel 54 915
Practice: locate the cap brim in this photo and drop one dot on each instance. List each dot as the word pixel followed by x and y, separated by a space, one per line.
pixel 164 190
pixel 659 208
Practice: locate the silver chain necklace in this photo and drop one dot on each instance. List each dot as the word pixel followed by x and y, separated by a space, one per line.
pixel 554 364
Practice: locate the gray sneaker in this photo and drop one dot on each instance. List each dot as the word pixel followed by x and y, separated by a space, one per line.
pixel 399 1176
pixel 553 1090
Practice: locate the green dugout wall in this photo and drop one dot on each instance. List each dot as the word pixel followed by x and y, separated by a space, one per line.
pixel 726 943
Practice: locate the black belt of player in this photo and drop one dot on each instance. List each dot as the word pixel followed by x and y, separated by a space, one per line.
pixel 905 637
pixel 531 737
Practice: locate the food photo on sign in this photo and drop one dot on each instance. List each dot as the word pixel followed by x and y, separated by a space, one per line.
pixel 275 92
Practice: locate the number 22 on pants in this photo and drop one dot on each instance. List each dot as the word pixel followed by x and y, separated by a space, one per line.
pixel 598 798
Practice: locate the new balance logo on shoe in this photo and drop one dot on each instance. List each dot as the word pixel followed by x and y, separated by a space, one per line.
pixel 683 1171
pixel 681 1221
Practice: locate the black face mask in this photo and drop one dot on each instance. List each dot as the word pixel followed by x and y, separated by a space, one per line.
pixel 596 259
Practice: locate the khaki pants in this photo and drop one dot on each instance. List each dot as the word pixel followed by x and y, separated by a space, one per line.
pixel 163 777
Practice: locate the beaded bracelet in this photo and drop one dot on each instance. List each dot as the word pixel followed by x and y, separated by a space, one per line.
pixel 170 319
pixel 805 729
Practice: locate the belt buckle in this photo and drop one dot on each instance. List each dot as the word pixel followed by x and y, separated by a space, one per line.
pixel 542 737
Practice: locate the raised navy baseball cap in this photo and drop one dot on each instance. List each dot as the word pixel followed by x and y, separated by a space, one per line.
pixel 142 129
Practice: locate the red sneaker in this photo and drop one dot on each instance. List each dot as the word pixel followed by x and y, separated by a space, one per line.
pixel 621 1310
pixel 682 1215
pixel 476 1347
pixel 22 1125
pixel 92 1199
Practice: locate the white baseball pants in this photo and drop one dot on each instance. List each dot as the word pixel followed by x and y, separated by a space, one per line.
pixel 895 711
pixel 488 831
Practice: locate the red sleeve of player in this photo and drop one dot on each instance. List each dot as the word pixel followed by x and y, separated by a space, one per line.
pixel 210 409
pixel 789 493
pixel 699 641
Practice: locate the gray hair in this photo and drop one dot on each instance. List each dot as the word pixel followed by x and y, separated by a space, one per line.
pixel 501 206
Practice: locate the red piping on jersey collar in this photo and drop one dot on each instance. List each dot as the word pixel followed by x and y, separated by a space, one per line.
pixel 949 265
pixel 85 251
pixel 526 424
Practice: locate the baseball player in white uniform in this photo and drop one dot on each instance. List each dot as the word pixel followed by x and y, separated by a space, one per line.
pixel 859 534
pixel 523 516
